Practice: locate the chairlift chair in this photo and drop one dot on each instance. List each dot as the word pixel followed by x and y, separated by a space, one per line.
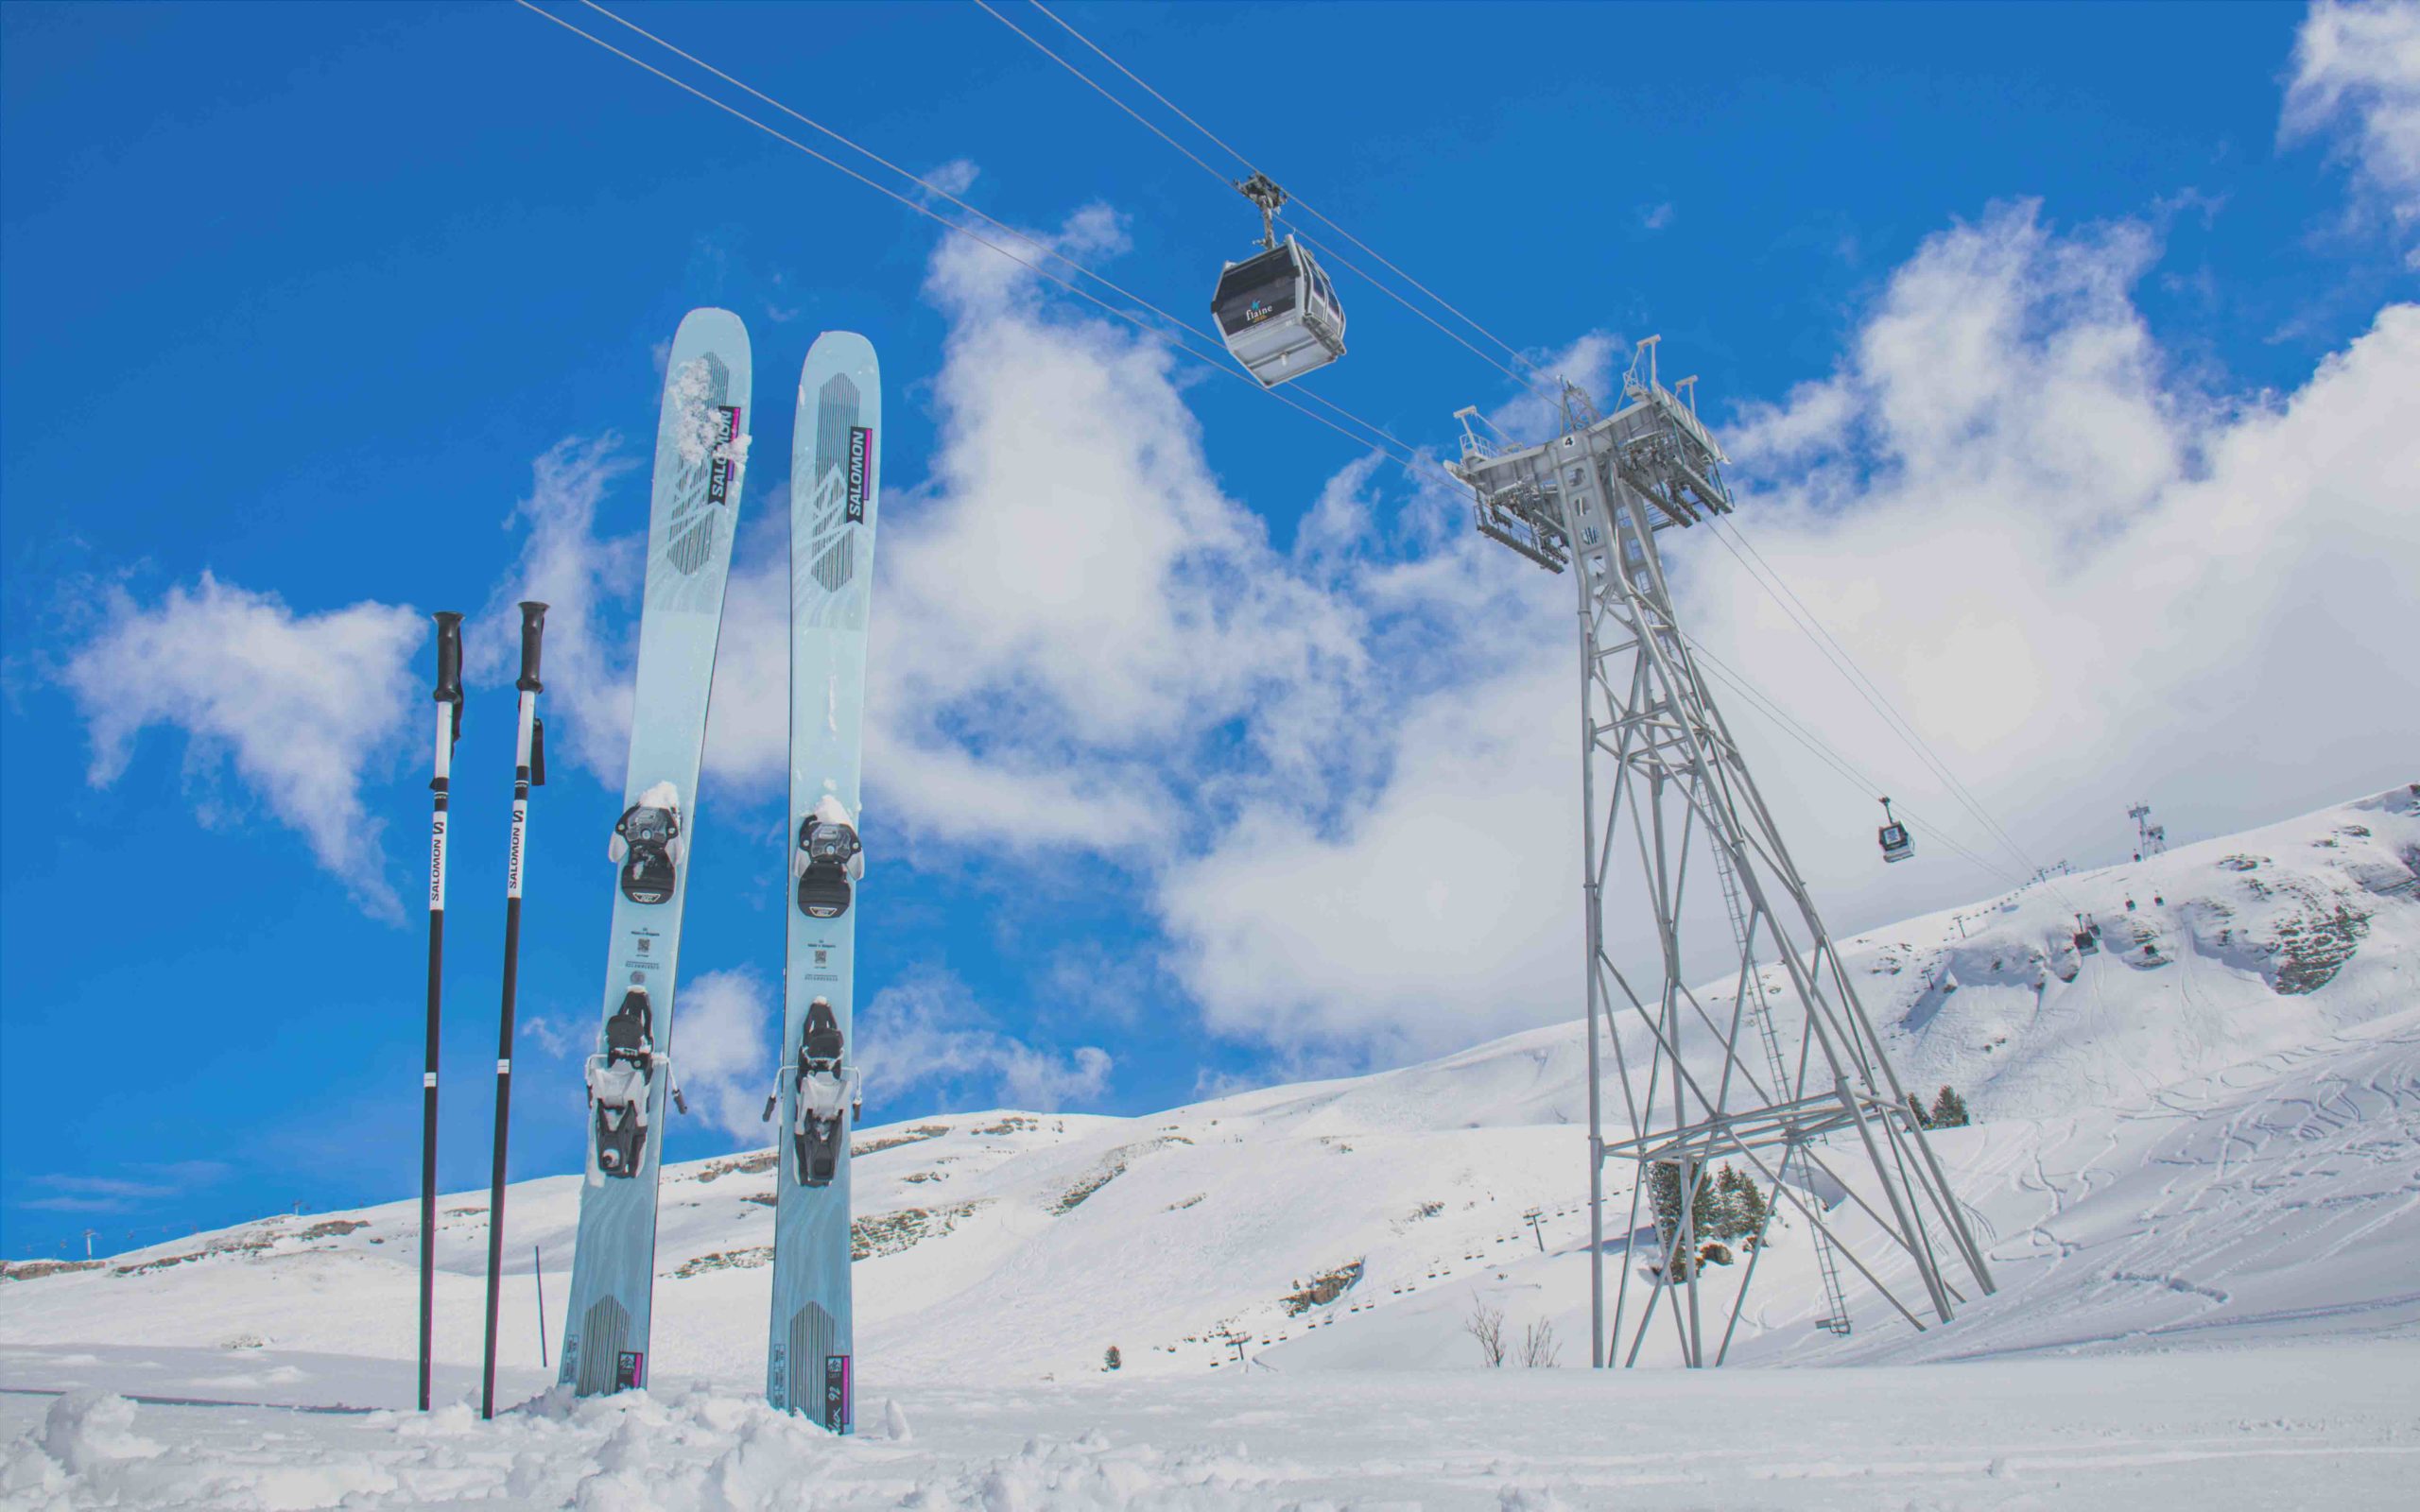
pixel 1276 310
pixel 1896 845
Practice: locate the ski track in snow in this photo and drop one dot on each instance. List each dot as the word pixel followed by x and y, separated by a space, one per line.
pixel 2200 1196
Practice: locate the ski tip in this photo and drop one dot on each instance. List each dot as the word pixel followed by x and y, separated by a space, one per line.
pixel 841 349
pixel 712 328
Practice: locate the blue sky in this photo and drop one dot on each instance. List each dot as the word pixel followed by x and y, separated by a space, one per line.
pixel 2065 353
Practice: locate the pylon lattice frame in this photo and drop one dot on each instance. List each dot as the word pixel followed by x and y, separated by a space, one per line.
pixel 1660 767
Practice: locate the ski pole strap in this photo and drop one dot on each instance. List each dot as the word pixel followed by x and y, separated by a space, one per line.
pixel 533 626
pixel 449 665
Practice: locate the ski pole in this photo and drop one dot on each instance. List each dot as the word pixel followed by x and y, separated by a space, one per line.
pixel 449 730
pixel 529 771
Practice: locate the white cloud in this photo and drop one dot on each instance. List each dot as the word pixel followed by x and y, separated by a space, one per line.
pixel 2081 576
pixel 302 706
pixel 1342 774
pixel 955 176
pixel 548 1034
pixel 590 578
pixel 1440 911
pixel 1656 216
pixel 726 1027
pixel 584 578
pixel 2357 72
pixel 1071 601
pixel 102 1193
pixel 927 1031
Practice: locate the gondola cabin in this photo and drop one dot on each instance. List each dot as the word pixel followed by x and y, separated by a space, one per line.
pixel 1278 314
pixel 1896 845
pixel 2086 944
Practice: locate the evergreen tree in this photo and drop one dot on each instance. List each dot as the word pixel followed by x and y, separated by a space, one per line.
pixel 1917 1110
pixel 1949 1111
pixel 1743 1206
pixel 1754 1213
pixel 1664 1200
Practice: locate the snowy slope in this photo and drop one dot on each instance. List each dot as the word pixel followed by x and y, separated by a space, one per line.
pixel 2207 1131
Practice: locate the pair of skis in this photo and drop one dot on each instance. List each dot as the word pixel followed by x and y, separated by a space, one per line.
pixel 701 448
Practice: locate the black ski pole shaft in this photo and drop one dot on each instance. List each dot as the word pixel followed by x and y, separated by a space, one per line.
pixel 529 770
pixel 449 728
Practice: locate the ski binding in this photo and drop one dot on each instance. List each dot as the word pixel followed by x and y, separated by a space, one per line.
pixel 829 857
pixel 647 845
pixel 619 1080
pixel 826 1086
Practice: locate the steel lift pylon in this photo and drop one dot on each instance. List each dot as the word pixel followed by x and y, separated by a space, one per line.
pixel 1784 1073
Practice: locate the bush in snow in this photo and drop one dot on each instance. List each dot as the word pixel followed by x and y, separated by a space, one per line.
pixel 1486 1325
pixel 1538 1346
pixel 1949 1112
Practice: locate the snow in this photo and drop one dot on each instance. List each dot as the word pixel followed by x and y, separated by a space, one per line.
pixel 698 428
pixel 2195 1170
pixel 2260 1429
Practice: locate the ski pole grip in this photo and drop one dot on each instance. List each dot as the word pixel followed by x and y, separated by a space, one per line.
pixel 533 626
pixel 449 658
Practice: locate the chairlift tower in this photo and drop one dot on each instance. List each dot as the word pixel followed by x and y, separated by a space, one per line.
pixel 1700 1079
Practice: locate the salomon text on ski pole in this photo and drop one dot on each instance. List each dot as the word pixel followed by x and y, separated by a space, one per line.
pixel 529 771
pixel 449 730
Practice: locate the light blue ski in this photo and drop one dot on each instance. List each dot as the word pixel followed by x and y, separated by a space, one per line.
pixel 700 451
pixel 835 462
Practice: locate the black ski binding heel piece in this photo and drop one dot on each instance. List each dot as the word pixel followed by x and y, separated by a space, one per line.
pixel 829 846
pixel 619 1080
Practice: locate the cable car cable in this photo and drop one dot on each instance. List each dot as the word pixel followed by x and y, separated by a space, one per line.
pixel 1514 352
pixel 1809 625
pixel 1766 704
pixel 1412 461
pixel 1882 709
pixel 1154 129
pixel 1410 452
pixel 1889 712
pixel 1779 589
pixel 1394 449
